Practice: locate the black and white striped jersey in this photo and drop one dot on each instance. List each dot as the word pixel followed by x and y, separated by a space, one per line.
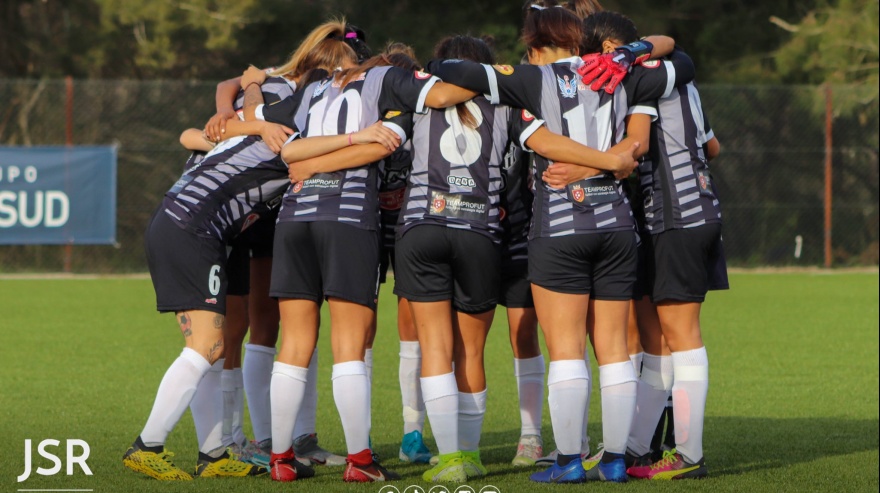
pixel 194 159
pixel 393 175
pixel 281 87
pixel 516 202
pixel 350 196
pixel 677 188
pixel 235 184
pixel 456 177
pixel 556 94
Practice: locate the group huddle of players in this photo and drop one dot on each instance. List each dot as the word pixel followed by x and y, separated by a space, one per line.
pixel 479 184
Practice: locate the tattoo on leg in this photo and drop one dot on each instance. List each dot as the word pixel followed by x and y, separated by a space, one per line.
pixel 185 324
pixel 216 349
pixel 219 322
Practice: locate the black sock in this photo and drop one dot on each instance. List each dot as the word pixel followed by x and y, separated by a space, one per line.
pixel 609 457
pixel 564 460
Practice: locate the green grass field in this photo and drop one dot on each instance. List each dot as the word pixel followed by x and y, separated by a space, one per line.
pixel 793 402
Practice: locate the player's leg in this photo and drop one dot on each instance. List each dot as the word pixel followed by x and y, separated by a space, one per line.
pixel 231 381
pixel 412 447
pixel 528 368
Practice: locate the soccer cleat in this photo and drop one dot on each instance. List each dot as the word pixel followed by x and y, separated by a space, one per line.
pixel 155 462
pixel 307 450
pixel 368 473
pixel 258 453
pixel 413 449
pixel 473 466
pixel 226 466
pixel 598 470
pixel 671 466
pixel 450 468
pixel 282 467
pixel 528 451
pixel 571 473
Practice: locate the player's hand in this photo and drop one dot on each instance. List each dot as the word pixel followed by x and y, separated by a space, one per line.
pixel 301 171
pixel 275 135
pixel 599 70
pixel 251 76
pixel 628 162
pixel 216 126
pixel 379 134
pixel 559 175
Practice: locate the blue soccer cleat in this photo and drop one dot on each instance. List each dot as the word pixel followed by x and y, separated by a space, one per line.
pixel 413 449
pixel 572 473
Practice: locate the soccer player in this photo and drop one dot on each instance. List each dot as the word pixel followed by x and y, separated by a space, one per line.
pixel 686 260
pixel 582 244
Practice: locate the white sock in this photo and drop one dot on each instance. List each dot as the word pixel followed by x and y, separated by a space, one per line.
pixel 288 388
pixel 257 375
pixel 207 411
pixel 408 374
pixel 441 402
pixel 351 391
pixel 691 384
pixel 637 362
pixel 227 385
pixel 471 409
pixel 174 395
pixel 238 410
pixel 308 415
pixel 653 391
pixel 529 375
pixel 368 361
pixel 568 383
pixel 585 437
pixel 617 382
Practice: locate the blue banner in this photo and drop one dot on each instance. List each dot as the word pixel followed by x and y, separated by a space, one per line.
pixel 57 195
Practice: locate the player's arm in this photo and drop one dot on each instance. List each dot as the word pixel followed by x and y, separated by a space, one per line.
pixel 194 140
pixel 713 148
pixel 346 158
pixel 516 86
pixel 251 80
pixel 309 147
pixel 655 83
pixel 223 99
pixel 565 150
pixel 273 134
pixel 661 46
pixel 443 95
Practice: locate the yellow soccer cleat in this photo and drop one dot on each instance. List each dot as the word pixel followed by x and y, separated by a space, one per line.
pixel 226 466
pixel 155 462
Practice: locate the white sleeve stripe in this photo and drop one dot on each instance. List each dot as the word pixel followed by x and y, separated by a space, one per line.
pixel 420 106
pixel 259 112
pixel 642 109
pixel 670 78
pixel 710 135
pixel 397 129
pixel 493 96
pixel 528 132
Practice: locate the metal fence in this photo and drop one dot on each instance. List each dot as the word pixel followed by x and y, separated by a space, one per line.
pixel 770 174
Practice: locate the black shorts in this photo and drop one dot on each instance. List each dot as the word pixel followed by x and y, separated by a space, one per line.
pixel 238 268
pixel 602 265
pixel 436 263
pixel 189 272
pixel 325 259
pixel 688 263
pixel 516 290
pixel 261 236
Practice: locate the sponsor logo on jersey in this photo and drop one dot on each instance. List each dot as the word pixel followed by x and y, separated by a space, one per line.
pixel 250 220
pixel 211 301
pixel 438 204
pixel 567 87
pixel 461 181
pixel 577 193
pixel 422 75
pixel 503 69
pixel 526 116
pixel 297 187
pixel 391 114
pixel 651 63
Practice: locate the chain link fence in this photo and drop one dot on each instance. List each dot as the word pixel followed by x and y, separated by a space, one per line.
pixel 770 174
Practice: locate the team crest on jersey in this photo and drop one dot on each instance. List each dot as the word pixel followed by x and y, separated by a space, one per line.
pixel 577 193
pixel 391 114
pixel 704 182
pixel 297 187
pixel 437 205
pixel 567 87
pixel 250 220
pixel 322 86
pixel 503 69
pixel 526 116
pixel 422 75
pixel 502 213
pixel 651 63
